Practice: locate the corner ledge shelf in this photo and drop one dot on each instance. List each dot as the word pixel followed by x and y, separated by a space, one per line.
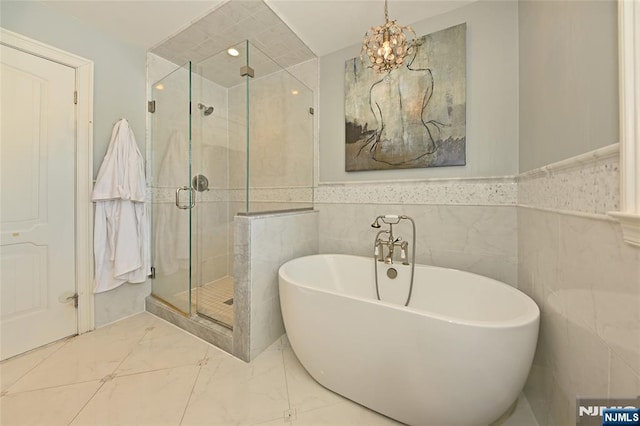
pixel 630 223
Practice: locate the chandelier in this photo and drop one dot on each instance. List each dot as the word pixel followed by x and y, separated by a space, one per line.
pixel 387 45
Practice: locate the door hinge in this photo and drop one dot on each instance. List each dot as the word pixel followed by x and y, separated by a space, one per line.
pixel 75 97
pixel 152 275
pixel 151 106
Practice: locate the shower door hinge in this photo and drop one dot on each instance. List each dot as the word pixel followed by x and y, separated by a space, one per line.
pixel 151 106
pixel 75 97
pixel 247 70
pixel 152 275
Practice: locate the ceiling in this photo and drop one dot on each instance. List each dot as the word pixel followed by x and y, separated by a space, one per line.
pixel 272 44
pixel 323 25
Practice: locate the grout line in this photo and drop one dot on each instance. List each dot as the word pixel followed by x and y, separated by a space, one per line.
pixel 146 331
pixel 186 406
pixel 155 370
pixel 66 340
pixel 87 403
pixel 195 381
pixel 286 380
pixel 51 387
pixel 113 374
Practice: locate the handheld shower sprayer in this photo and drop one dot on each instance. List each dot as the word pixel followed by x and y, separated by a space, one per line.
pixel 388 219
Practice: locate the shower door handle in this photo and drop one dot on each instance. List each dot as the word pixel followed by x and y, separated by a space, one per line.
pixel 193 198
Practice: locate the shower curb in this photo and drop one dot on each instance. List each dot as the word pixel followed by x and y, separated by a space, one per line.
pixel 210 332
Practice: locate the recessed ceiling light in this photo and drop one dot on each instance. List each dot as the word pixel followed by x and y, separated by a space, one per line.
pixel 233 52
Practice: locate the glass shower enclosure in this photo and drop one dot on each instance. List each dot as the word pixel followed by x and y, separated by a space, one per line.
pixel 230 135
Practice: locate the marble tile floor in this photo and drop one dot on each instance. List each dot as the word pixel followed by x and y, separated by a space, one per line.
pixel 145 371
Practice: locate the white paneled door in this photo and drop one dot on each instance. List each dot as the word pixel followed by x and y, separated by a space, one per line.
pixel 37 205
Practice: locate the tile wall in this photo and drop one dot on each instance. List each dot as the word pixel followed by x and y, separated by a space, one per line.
pixel 467 224
pixel 262 244
pixel 573 262
pixel 213 216
pixel 281 139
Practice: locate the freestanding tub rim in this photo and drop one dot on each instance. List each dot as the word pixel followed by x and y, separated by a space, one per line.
pixel 532 312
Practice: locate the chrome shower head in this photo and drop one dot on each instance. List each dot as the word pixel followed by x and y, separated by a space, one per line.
pixel 208 110
pixel 376 223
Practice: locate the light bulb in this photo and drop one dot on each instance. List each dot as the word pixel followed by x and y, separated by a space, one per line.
pixel 386 49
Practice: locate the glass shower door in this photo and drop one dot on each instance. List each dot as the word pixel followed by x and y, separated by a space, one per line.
pixel 172 195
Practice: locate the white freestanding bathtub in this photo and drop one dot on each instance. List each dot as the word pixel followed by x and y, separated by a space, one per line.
pixel 459 354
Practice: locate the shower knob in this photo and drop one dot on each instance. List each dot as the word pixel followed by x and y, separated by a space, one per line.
pixel 200 183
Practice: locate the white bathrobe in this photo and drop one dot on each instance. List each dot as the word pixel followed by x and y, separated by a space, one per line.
pixel 121 247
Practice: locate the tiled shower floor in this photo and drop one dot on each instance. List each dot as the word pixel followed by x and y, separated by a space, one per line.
pixel 145 371
pixel 214 300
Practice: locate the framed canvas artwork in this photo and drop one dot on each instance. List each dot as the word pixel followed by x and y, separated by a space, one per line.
pixel 413 116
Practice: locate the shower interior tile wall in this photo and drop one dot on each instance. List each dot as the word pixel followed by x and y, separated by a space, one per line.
pixel 210 158
pixel 277 177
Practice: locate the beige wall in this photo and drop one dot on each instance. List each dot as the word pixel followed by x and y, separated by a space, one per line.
pixel 492 85
pixel 568 79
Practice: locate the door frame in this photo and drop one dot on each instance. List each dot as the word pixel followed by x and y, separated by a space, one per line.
pixel 84 165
